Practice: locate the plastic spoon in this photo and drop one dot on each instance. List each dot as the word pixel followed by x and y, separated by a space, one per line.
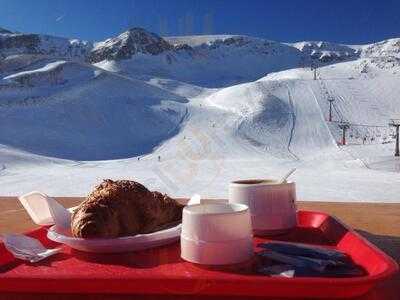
pixel 285 178
pixel 27 248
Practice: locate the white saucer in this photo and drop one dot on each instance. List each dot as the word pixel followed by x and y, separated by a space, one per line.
pixel 116 245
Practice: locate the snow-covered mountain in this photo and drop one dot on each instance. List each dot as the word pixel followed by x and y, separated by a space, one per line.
pixel 21 43
pixel 127 44
pixel 197 107
pixel 223 60
pixel 324 52
pixel 205 60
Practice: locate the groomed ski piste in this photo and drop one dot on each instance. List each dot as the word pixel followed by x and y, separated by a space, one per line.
pixel 194 125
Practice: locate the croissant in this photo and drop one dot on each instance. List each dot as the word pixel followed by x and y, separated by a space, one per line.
pixel 122 208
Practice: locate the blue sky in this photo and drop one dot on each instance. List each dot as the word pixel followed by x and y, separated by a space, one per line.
pixel 351 21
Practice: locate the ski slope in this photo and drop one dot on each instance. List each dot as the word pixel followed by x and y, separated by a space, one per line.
pixel 283 118
pixel 190 121
pixel 75 111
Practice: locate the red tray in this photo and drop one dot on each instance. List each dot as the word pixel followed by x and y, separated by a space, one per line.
pixel 161 272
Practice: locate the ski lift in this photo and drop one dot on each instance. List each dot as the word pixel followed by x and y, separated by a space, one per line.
pixel 351 135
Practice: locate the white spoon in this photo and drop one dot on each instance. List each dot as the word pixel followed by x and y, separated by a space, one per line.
pixel 285 178
pixel 27 248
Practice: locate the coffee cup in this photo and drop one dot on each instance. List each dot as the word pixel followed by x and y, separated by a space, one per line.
pixel 272 204
pixel 216 234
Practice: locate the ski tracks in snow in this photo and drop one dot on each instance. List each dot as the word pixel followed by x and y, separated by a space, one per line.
pixel 293 129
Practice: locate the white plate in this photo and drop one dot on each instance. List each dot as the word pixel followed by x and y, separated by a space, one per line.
pixel 117 245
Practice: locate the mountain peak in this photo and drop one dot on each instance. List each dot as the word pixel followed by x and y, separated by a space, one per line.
pixel 124 46
pixel 138 29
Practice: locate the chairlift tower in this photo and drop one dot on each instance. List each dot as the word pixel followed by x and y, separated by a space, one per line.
pixel 396 123
pixel 314 68
pixel 344 126
pixel 330 99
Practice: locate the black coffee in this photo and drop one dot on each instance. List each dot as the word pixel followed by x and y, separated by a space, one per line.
pixel 255 181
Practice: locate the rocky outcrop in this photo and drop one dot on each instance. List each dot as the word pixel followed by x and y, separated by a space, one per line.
pixel 183 47
pixel 127 44
pixel 2 30
pixel 28 43
pixel 37 44
pixel 325 52
pixel 236 41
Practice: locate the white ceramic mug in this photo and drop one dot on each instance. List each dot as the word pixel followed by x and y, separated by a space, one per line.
pixel 216 234
pixel 272 204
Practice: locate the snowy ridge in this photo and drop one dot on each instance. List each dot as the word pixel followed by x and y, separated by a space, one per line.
pixel 19 43
pixel 219 63
pixel 2 30
pixel 327 52
pixel 389 47
pixel 196 40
